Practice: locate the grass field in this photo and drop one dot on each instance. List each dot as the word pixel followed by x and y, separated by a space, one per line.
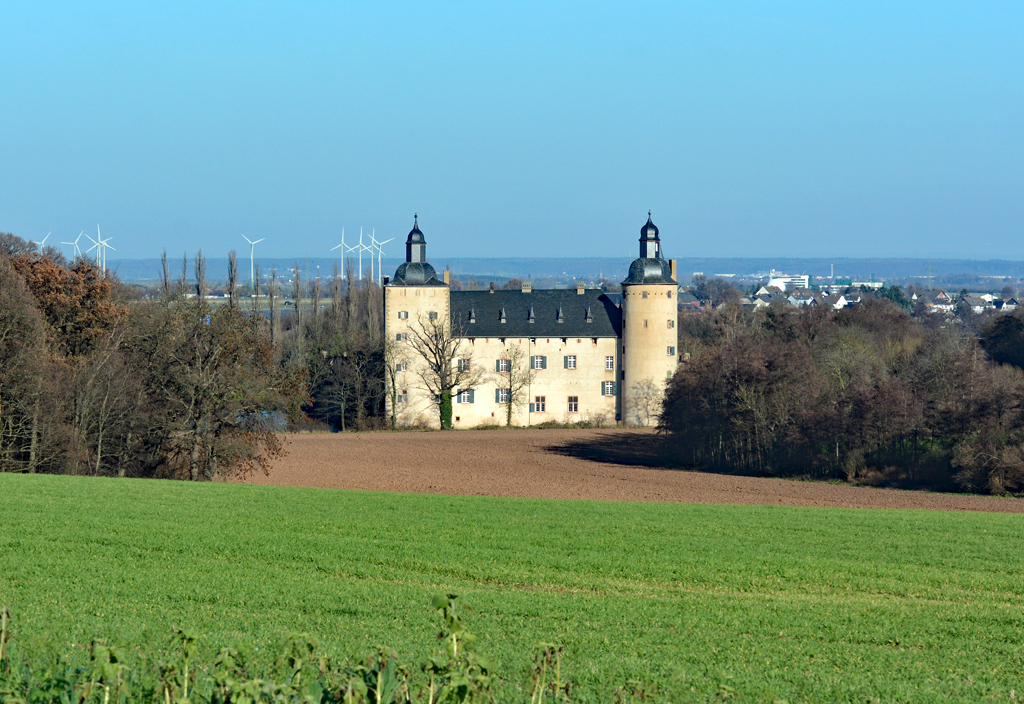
pixel 696 601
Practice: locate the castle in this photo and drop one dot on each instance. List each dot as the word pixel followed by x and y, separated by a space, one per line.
pixel 562 355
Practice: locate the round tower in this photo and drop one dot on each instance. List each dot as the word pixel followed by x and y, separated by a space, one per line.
pixel 649 337
pixel 414 300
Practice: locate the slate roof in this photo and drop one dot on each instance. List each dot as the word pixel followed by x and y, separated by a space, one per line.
pixel 649 271
pixel 486 309
pixel 415 274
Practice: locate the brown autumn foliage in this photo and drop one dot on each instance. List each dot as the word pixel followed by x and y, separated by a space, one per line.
pixel 89 385
pixel 867 395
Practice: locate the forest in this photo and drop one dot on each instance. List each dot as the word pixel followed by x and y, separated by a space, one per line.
pixel 100 378
pixel 867 395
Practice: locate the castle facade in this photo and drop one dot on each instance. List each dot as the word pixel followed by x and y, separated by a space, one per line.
pixel 562 355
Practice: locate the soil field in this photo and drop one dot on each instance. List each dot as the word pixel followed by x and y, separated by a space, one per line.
pixel 604 465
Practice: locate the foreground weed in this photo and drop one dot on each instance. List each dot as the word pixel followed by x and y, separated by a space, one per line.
pixel 456 674
pixel 548 684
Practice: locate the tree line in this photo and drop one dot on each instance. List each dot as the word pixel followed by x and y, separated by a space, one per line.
pixel 866 394
pixel 104 379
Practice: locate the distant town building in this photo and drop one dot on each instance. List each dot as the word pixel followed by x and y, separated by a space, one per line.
pixel 786 281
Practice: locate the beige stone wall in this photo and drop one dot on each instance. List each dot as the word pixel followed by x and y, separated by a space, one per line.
pixel 648 333
pixel 641 364
pixel 555 384
pixel 417 302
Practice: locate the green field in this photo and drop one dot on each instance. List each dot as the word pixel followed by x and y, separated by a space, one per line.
pixel 694 601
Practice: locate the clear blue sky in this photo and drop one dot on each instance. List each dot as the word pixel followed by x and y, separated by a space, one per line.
pixel 518 129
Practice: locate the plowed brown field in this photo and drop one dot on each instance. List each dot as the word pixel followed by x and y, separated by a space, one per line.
pixel 607 465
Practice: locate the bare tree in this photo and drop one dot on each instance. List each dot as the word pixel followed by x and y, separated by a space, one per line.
pixel 335 291
pixel 514 375
pixel 183 277
pixel 447 366
pixel 273 293
pixel 232 279
pixel 646 398
pixel 200 269
pixel 395 354
pixel 297 294
pixel 165 276
pixel 256 293
pixel 314 296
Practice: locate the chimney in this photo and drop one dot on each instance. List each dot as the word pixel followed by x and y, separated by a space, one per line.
pixel 672 264
pixel 386 280
pixel 448 276
pixel 579 288
pixel 527 286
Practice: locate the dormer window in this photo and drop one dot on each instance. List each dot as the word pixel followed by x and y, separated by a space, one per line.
pixel 501 316
pixel 472 315
pixel 560 318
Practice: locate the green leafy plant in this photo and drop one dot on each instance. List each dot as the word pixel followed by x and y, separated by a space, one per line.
pixel 457 673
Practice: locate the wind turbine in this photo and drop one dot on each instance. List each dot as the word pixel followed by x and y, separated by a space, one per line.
pixel 252 262
pixel 361 247
pixel 101 246
pixel 76 252
pixel 95 245
pixel 380 254
pixel 43 243
pixel 341 255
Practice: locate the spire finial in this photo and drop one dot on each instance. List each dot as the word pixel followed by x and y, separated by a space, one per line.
pixel 415 217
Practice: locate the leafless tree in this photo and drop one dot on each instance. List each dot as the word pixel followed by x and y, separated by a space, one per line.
pixel 200 271
pixel 232 279
pixel 514 374
pixel 314 296
pixel 335 291
pixel 165 276
pixel 447 365
pixel 273 293
pixel 297 294
pixel 395 354
pixel 646 398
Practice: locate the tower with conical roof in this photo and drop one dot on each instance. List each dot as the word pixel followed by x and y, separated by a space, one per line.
pixel 413 297
pixel 649 336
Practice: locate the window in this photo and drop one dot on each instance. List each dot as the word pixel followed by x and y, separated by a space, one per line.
pixel 463 365
pixel 501 395
pixel 570 361
pixel 671 351
pixel 434 398
pixel 539 362
pixel 403 396
pixel 671 324
pixel 432 315
pixel 466 396
pixel 502 366
pixel 403 315
pixel 607 388
pixel 401 337
pixel 539 404
pixel 401 367
pixel 645 323
pixel 609 363
pixel 574 404
pixel 644 294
